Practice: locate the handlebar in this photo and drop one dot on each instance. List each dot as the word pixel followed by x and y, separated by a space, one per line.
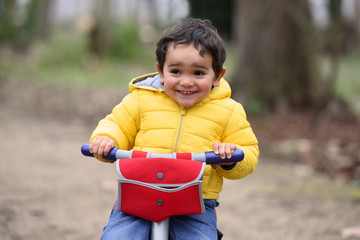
pixel 208 157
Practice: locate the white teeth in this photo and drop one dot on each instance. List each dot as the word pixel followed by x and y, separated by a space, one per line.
pixel 187 92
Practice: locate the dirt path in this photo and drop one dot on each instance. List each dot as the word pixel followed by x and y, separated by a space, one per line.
pixel 49 191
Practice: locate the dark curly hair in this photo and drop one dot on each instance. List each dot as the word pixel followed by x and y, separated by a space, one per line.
pixel 199 32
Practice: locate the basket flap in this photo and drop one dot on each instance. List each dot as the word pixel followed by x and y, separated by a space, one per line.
pixel 160 170
pixel 156 206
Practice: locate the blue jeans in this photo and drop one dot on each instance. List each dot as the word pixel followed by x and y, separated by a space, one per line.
pixel 198 226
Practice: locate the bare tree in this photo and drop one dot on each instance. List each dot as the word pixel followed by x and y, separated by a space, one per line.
pixel 99 34
pixel 276 57
pixel 21 24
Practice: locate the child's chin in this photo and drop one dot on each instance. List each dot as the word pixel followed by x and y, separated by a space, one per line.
pixel 187 105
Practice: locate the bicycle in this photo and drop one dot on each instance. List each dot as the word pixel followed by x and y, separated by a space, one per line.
pixel 164 186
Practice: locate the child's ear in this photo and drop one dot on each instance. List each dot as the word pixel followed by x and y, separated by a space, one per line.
pixel 161 73
pixel 216 81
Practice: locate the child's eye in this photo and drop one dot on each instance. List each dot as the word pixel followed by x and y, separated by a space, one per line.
pixel 199 73
pixel 175 71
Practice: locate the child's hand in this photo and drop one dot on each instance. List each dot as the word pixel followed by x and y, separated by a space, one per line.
pixel 100 146
pixel 224 149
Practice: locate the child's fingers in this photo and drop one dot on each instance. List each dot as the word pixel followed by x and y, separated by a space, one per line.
pixel 94 146
pixel 229 149
pixel 110 145
pixel 91 146
pixel 103 148
pixel 219 149
pixel 215 148
pixel 224 149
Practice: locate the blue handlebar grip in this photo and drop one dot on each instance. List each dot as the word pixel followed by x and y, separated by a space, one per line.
pixel 86 151
pixel 212 158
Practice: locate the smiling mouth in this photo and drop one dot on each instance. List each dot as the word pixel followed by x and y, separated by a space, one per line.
pixel 186 92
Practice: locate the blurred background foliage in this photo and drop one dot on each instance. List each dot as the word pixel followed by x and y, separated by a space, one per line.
pixel 299 55
pixel 302 54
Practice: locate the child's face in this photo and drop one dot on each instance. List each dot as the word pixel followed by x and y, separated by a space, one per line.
pixel 187 76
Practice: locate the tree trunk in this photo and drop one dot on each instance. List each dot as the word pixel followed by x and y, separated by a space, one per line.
pixel 38 18
pixel 357 21
pixel 276 60
pixel 34 23
pixel 7 21
pixel 335 44
pixel 99 36
pixel 219 12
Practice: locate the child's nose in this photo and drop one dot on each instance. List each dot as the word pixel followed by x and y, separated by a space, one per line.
pixel 187 81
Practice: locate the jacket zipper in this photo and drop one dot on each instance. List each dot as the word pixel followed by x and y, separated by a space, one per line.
pixel 182 114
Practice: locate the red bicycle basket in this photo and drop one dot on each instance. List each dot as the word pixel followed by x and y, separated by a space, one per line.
pixel 157 188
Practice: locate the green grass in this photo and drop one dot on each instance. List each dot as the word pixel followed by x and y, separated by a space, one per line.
pixel 64 60
pixel 348 83
pixel 106 73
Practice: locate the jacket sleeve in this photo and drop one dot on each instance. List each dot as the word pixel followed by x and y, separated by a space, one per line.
pixel 122 124
pixel 239 131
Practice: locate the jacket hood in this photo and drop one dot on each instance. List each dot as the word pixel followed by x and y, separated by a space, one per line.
pixel 152 82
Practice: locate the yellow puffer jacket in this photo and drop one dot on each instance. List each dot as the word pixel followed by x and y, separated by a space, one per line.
pixel 148 120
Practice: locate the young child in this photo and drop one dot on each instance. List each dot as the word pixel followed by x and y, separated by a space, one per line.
pixel 185 107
